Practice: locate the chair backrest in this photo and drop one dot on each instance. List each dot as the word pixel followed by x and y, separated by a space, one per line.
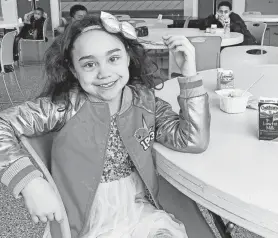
pixel 207 50
pixel 186 23
pixel 252 13
pixel 7 49
pixel 45 28
pixel 257 29
pixel 122 17
pixel 40 150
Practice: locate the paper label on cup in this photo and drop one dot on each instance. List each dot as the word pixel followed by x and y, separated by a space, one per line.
pixel 225 79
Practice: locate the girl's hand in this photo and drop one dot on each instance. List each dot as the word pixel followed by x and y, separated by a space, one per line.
pixel 41 201
pixel 183 52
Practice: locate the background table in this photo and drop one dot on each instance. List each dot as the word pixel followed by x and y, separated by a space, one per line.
pixel 233 38
pixel 236 177
pixel 238 56
pixel 5 25
pixel 260 18
pixel 153 21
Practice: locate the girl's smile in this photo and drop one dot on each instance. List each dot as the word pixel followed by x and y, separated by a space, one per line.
pixel 101 65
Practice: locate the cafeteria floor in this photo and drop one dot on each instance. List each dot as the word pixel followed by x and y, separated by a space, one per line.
pixel 14 218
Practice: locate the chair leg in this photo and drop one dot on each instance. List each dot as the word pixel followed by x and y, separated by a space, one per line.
pixel 18 83
pixel 3 77
pixel 38 50
pixel 224 230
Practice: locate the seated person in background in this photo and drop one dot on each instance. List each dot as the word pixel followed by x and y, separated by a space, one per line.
pixel 77 12
pixel 236 23
pixel 32 29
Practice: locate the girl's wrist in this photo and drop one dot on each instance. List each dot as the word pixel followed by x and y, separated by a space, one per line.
pixel 190 72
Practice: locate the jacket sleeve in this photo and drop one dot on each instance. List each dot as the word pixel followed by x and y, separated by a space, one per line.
pixel 190 130
pixel 238 25
pixel 29 119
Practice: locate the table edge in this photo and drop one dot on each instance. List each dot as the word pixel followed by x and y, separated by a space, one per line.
pixel 164 171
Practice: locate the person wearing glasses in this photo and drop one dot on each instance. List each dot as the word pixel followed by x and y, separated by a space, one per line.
pixel 225 15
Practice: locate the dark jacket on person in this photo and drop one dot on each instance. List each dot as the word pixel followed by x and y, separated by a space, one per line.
pixel 236 25
pixel 35 27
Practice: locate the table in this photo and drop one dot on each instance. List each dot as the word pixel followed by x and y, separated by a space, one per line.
pixel 238 56
pixel 236 177
pixel 153 21
pixel 260 18
pixel 10 25
pixel 155 35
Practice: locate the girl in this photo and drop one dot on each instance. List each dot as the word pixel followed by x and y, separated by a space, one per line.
pixel 107 118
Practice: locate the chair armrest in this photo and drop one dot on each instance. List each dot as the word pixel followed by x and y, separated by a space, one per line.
pixel 64 225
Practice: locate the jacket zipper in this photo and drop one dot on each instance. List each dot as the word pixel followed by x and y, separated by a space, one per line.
pixel 137 168
pixel 92 200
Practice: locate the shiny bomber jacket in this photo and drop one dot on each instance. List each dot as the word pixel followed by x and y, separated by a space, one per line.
pixel 187 132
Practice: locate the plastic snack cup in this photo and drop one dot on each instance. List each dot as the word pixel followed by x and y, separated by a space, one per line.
pixel 232 101
pixel 213 28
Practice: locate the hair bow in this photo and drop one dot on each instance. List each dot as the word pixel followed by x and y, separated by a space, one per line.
pixel 112 25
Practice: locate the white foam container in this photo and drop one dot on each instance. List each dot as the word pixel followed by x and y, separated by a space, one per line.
pixel 236 104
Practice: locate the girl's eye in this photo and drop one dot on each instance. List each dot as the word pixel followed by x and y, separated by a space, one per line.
pixel 114 59
pixel 90 65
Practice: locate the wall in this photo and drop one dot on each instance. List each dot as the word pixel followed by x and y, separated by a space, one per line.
pixel 239 6
pixel 55 13
pixel 188 7
pixel 9 10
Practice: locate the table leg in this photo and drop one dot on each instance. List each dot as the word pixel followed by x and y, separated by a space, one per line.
pixel 224 230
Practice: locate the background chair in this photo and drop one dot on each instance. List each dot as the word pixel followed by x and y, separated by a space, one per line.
pixel 186 23
pixel 240 56
pixel 122 17
pixel 207 50
pixel 26 42
pixel 7 61
pixel 252 13
pixel 257 29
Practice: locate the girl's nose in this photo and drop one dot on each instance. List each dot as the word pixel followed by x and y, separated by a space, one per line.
pixel 103 72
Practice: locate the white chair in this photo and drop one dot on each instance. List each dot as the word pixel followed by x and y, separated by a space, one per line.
pixel 123 17
pixel 39 149
pixel 257 29
pixel 7 61
pixel 187 22
pixel 241 56
pixel 252 13
pixel 37 42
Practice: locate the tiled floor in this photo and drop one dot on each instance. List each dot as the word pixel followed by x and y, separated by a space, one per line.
pixel 14 218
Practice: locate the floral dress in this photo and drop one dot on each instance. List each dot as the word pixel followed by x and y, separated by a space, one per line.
pixel 122 206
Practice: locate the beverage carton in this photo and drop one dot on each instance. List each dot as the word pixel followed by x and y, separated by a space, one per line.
pixel 268 119
pixel 225 79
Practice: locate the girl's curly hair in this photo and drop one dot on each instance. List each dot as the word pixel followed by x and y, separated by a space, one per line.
pixel 60 80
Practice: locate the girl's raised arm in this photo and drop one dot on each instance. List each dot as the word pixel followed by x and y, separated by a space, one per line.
pixel 29 119
pixel 190 130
